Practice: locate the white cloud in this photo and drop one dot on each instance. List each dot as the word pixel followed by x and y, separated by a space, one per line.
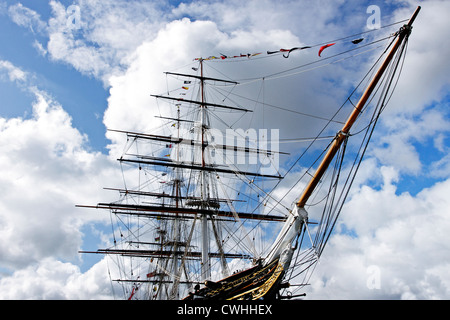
pixel 441 167
pixel 106 33
pixel 309 20
pixel 403 236
pixel 26 17
pixel 14 74
pixel 96 39
pixel 400 138
pixel 180 41
pixel 425 74
pixel 46 169
pixel 55 280
pixel 40 48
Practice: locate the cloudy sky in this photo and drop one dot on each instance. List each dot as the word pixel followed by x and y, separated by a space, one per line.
pixel 71 69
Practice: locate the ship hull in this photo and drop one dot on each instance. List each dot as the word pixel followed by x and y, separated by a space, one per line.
pixel 259 282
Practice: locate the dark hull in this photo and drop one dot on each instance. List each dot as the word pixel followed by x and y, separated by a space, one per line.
pixel 259 282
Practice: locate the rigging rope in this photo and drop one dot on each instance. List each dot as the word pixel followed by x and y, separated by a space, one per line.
pixel 334 204
pixel 325 126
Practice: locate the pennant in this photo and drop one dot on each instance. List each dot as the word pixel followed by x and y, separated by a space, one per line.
pixel 324 47
pixel 132 293
pixel 288 50
pixel 356 41
pixel 249 55
pixel 185 88
pixel 293 49
pixel 223 57
pixel 187 82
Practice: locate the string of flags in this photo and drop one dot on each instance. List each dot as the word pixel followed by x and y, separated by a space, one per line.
pixel 286 52
pixel 223 57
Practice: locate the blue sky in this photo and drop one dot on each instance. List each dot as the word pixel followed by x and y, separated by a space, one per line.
pixel 61 88
pixel 82 96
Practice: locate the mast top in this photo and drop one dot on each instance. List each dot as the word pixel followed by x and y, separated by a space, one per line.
pixel 402 34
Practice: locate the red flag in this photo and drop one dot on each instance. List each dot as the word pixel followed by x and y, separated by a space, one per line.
pixel 324 47
pixel 132 293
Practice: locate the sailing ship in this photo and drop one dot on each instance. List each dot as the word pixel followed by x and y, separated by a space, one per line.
pixel 204 205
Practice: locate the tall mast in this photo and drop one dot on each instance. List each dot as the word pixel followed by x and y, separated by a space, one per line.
pixel 177 224
pixel 340 137
pixel 205 232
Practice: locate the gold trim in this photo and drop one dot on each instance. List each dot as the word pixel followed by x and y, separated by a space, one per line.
pixel 263 289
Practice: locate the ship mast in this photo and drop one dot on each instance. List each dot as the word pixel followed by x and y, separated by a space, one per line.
pixel 206 203
pixel 205 232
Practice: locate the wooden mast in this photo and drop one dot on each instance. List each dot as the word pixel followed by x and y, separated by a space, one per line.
pixel 205 269
pixel 340 137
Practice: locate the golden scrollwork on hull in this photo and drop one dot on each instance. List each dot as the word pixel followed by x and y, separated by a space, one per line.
pixel 258 292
